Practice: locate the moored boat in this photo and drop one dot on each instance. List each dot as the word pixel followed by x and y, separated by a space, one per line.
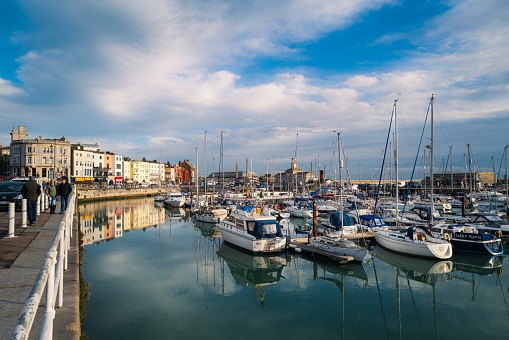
pixel 246 229
pixel 414 241
pixel 340 246
pixel 468 238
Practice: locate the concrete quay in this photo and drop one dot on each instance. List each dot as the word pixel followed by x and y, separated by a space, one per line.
pixel 21 259
pixel 93 194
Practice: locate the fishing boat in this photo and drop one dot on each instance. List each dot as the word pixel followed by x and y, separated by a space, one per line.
pixel 246 229
pixel 468 238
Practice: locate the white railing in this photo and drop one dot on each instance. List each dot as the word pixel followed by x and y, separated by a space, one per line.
pixel 50 277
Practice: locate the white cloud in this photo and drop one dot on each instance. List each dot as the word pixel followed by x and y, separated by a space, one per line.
pixel 7 88
pixel 168 70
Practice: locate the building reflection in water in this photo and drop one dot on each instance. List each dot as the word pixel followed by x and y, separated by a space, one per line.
pixel 106 220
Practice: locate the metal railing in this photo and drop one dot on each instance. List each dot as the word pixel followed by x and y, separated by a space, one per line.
pixel 50 277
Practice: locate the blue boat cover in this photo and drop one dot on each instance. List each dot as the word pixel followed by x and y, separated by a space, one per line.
pixel 336 222
pixel 247 208
pixel 372 221
pixel 267 229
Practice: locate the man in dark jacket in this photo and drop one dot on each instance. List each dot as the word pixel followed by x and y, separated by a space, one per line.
pixel 64 190
pixel 31 191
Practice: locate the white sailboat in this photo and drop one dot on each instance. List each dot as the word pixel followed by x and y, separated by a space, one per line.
pixel 414 241
pixel 336 242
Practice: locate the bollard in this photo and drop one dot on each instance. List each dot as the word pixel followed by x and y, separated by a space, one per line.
pixel 11 220
pixel 38 205
pixel 24 213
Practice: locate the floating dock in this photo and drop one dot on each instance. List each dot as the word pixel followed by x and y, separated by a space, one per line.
pixel 299 246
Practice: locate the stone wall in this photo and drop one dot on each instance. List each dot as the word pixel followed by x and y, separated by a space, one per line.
pixel 105 194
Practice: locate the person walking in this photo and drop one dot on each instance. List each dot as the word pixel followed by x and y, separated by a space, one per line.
pixel 31 191
pixel 64 190
pixel 51 191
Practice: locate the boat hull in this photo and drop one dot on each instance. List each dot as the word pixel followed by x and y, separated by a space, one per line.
pixel 402 245
pixel 241 239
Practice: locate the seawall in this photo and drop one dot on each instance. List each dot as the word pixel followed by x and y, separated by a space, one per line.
pixel 86 194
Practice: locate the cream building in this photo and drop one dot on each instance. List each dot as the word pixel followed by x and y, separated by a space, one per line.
pixel 157 173
pixel 82 164
pixel 38 157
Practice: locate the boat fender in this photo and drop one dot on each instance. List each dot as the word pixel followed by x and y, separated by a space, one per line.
pixel 298 250
pixel 424 237
pixel 259 290
pixel 447 237
pixel 499 233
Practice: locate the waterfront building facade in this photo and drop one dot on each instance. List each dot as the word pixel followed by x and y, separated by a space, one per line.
pixel 38 157
pixel 127 170
pixel 82 165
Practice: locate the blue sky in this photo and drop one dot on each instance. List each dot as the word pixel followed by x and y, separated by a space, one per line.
pixel 144 78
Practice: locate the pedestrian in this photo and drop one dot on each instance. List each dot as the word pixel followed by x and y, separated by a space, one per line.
pixel 64 190
pixel 31 191
pixel 51 191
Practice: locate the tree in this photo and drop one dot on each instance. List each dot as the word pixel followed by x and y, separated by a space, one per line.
pixel 4 165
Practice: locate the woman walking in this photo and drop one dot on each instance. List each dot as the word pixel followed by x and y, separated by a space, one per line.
pixel 51 191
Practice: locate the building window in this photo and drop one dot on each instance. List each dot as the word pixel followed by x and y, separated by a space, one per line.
pixel 29 149
pixel 44 161
pixel 29 160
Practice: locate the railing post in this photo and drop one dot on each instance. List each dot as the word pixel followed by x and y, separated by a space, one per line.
pixel 61 256
pixel 11 219
pixel 49 315
pixel 24 213
pixel 39 205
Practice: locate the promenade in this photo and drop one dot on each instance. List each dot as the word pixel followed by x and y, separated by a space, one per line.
pixel 21 259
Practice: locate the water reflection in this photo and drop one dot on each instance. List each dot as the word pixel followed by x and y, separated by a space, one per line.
pixel 208 229
pixel 257 271
pixel 179 279
pixel 106 220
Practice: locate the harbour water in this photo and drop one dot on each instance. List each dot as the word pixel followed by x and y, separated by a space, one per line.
pixel 154 274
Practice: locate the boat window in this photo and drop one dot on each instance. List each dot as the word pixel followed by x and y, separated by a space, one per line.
pixel 269 229
pixel 250 226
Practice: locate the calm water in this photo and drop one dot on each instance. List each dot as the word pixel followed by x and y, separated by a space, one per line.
pixel 156 275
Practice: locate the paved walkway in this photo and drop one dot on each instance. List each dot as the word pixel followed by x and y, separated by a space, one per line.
pixel 21 259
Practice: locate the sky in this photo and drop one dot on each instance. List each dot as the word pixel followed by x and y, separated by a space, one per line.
pixel 148 78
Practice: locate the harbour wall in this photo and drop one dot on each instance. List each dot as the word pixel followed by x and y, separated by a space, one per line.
pixel 86 194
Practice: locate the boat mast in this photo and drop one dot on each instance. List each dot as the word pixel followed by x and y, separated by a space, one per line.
pixel 431 164
pixel 222 162
pixel 196 174
pixel 340 184
pixel 396 159
pixel 452 179
pixel 296 165
pixel 205 177
pixel 506 187
pixel 469 170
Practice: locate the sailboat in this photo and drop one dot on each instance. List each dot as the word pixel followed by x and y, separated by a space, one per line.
pixel 207 213
pixel 414 241
pixel 336 242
